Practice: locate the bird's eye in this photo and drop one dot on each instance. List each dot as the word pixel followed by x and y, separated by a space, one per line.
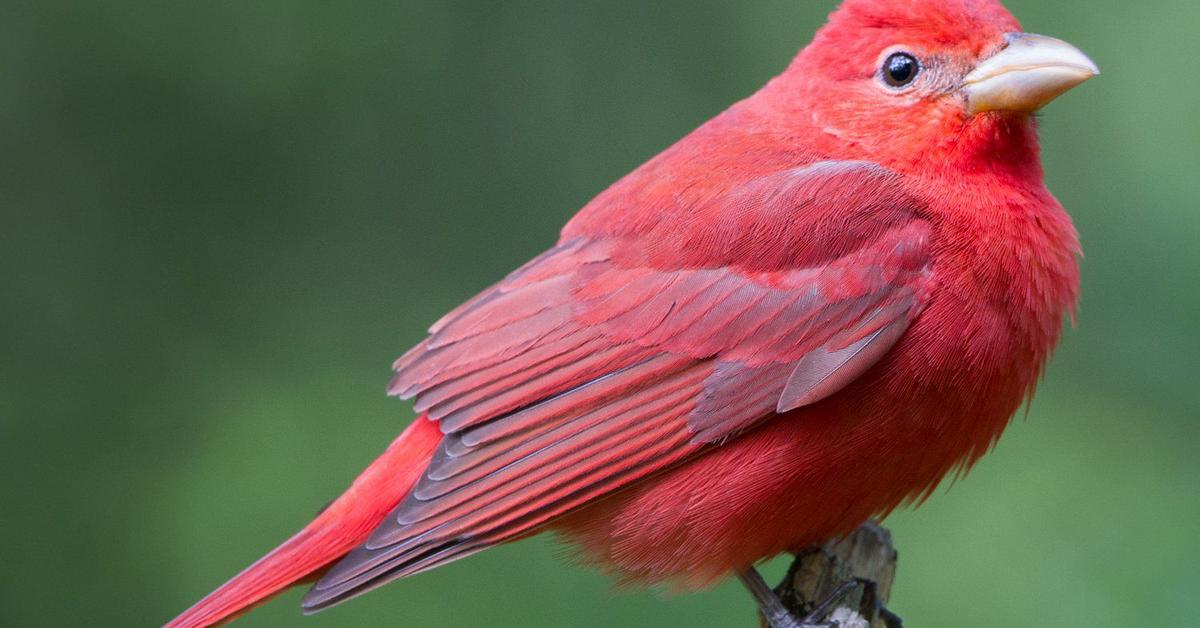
pixel 900 69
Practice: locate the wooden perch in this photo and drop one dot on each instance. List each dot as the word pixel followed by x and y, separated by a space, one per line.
pixel 865 558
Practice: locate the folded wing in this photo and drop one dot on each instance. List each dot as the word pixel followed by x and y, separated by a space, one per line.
pixel 608 359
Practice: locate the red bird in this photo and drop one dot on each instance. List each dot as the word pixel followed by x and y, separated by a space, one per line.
pixel 802 315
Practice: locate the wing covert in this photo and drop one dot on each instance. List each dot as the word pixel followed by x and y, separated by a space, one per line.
pixel 609 358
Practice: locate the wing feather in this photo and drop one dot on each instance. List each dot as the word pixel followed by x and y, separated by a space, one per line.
pixel 610 358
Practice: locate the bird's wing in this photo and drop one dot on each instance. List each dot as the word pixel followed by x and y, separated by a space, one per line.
pixel 609 358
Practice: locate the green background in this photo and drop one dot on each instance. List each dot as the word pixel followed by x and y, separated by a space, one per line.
pixel 223 220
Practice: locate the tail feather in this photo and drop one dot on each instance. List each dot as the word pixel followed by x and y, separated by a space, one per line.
pixel 341 527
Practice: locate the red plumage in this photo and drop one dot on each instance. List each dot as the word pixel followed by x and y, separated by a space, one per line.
pixel 803 314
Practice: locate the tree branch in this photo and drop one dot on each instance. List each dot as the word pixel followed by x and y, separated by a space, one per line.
pixel 866 558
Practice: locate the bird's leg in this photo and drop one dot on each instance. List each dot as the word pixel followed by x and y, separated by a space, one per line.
pixel 769 604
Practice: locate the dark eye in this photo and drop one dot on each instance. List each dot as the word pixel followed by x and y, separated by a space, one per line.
pixel 900 69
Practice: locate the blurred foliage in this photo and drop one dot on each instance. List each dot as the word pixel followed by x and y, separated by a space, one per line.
pixel 222 220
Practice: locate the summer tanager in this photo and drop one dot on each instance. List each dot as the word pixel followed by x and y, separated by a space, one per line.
pixel 802 315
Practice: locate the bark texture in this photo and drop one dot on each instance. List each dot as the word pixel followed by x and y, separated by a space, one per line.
pixel 866 558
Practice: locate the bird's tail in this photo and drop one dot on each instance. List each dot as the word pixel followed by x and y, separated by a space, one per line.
pixel 341 527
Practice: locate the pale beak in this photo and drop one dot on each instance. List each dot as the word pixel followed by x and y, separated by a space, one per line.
pixel 1029 72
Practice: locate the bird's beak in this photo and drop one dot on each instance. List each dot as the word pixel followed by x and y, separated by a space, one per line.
pixel 1026 74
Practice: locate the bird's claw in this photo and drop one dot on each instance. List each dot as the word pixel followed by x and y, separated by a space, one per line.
pixel 825 606
pixel 871 597
pixel 890 619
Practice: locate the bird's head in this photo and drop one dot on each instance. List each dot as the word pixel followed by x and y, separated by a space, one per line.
pixel 914 83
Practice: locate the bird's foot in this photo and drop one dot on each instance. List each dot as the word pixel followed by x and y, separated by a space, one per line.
pixel 787 620
pixel 827 605
pixel 842 584
pixel 778 616
pixel 871 599
pixel 890 619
